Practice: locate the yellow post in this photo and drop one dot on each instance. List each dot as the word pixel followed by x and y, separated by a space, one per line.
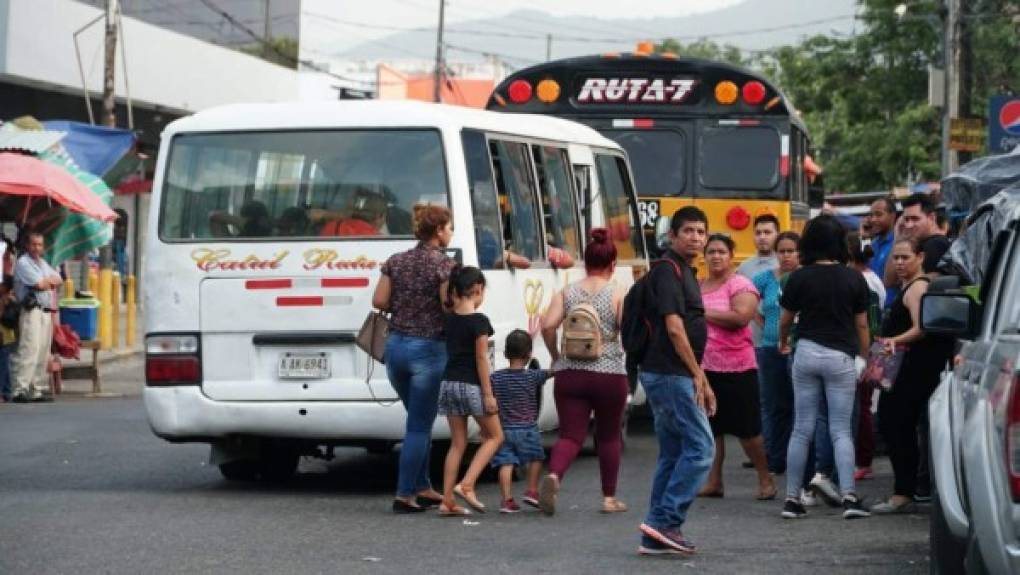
pixel 129 335
pixel 115 308
pixel 105 307
pixel 69 288
pixel 94 283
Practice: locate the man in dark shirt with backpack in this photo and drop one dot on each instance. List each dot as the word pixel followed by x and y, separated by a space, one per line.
pixel 677 389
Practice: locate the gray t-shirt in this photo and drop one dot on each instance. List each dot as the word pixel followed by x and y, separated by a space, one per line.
pixel 28 272
pixel 751 267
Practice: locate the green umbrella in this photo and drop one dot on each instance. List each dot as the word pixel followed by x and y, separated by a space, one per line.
pixel 78 233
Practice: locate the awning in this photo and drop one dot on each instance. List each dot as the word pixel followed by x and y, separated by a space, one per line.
pixel 130 186
pixel 13 138
pixel 94 149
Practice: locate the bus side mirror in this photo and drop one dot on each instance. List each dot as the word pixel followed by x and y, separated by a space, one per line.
pixel 952 314
pixel 815 197
pixel 662 233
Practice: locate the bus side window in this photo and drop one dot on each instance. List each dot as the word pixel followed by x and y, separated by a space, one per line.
pixel 582 182
pixel 484 205
pixel 614 195
pixel 515 187
pixel 559 204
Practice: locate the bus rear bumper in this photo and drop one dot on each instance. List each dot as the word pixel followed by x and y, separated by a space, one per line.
pixel 183 414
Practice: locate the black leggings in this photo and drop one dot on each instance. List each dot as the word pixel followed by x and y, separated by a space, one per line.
pixel 899 412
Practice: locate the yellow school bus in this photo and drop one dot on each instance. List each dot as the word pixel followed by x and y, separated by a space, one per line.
pixel 696 132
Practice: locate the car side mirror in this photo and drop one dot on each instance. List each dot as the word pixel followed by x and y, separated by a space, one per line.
pixel 662 233
pixel 952 314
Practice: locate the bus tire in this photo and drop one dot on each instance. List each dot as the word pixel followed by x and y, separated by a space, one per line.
pixel 240 470
pixel 278 464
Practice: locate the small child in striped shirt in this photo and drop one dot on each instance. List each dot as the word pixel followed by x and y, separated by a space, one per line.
pixel 517 391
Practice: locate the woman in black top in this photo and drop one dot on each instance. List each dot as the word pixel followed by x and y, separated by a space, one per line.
pixel 899 409
pixel 831 301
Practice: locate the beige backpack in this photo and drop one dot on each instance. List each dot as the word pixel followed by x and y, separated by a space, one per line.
pixel 582 333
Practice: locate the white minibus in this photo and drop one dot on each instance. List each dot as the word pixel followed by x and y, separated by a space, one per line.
pixel 271 221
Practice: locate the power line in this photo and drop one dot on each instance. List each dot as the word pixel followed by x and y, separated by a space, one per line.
pixel 491 53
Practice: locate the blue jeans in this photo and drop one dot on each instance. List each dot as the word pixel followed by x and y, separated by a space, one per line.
pixel 686 448
pixel 415 367
pixel 819 370
pixel 776 392
pixel 5 371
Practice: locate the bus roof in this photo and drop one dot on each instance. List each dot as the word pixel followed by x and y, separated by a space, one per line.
pixel 381 114
pixel 570 72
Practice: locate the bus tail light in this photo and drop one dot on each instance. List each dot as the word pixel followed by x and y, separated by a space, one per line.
pixel 548 91
pixel 738 218
pixel 519 91
pixel 753 92
pixel 172 360
pixel 726 92
pixel 1012 439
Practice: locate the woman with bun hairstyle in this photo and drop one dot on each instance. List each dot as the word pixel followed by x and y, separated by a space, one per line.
pixel 413 287
pixel 583 387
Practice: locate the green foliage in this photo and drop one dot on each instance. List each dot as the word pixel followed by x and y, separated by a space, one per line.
pixel 705 49
pixel 865 98
pixel 281 50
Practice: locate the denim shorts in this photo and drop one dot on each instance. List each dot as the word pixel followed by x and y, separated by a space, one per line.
pixel 521 446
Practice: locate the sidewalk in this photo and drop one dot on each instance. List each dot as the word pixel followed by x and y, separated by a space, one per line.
pixel 121 370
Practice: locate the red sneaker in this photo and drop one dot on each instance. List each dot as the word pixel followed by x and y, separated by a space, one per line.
pixel 510 506
pixel 531 498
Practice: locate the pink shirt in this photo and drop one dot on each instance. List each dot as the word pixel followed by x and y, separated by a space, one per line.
pixel 728 350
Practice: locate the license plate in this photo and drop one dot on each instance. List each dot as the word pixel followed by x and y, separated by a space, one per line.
pixel 303 366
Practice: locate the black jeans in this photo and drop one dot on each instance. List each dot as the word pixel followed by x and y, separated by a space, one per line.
pixel 899 412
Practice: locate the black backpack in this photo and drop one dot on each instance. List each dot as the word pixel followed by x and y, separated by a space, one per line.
pixel 636 327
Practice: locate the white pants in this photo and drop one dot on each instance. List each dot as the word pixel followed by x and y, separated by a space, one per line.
pixel 28 364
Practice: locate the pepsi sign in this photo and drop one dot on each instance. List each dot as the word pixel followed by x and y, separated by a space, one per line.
pixel 1003 124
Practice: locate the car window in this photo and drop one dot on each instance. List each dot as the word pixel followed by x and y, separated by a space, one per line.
pixel 484 202
pixel 1009 297
pixel 615 189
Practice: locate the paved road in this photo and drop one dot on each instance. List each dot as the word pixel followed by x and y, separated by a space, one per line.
pixel 86 488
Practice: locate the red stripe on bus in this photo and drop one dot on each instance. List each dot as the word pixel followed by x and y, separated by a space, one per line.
pixel 344 282
pixel 299 301
pixel 268 284
pixel 784 166
pixel 644 123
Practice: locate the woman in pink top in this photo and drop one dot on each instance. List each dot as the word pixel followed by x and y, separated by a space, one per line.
pixel 731 301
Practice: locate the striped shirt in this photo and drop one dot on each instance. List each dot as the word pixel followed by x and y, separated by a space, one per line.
pixel 516 392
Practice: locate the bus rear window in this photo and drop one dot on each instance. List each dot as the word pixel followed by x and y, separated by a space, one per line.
pixel 321 184
pixel 657 158
pixel 734 159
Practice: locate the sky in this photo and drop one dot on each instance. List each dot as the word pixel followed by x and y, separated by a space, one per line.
pixel 322 35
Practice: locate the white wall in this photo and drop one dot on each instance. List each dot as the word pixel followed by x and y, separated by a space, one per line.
pixel 164 68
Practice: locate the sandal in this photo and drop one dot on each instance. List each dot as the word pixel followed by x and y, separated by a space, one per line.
pixel 401 507
pixel 613 506
pixel 767 494
pixel 455 511
pixel 469 498
pixel 712 493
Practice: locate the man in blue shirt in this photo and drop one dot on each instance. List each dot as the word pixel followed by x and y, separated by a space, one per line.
pixel 883 220
pixel 34 282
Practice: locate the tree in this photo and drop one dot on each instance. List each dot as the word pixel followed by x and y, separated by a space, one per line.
pixel 705 49
pixel 281 50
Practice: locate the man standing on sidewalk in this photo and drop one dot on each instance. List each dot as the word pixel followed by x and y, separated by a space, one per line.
pixel 677 389
pixel 34 282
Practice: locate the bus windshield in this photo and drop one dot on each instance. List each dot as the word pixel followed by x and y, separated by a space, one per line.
pixel 293 185
pixel 755 149
pixel 657 157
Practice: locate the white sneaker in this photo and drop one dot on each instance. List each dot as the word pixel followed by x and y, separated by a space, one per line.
pixel 808 499
pixel 826 489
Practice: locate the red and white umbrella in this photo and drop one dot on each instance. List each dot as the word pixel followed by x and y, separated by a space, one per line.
pixel 22 175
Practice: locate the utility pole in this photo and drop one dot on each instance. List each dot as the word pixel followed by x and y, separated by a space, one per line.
pixel 109 66
pixel 957 72
pixel 437 94
pixel 548 47
pixel 267 33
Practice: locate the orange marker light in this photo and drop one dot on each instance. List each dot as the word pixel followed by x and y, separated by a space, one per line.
pixel 726 92
pixel 548 91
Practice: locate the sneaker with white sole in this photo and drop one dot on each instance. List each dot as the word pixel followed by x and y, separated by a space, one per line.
pixel 808 499
pixel 826 489
pixel 669 537
pixel 510 506
pixel 793 509
pixel 650 546
pixel 853 508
